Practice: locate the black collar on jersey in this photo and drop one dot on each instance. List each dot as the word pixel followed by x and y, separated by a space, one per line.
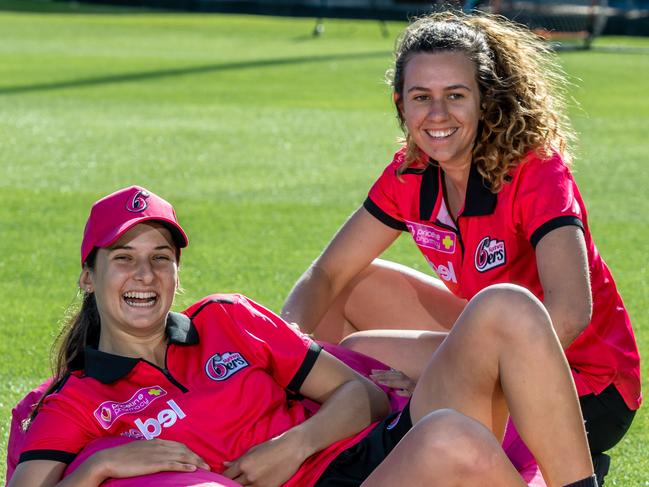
pixel 108 367
pixel 479 198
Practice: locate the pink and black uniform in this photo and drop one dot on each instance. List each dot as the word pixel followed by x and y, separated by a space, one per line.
pixel 493 241
pixel 219 347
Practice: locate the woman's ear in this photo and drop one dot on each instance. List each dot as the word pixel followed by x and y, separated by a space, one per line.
pixel 398 102
pixel 85 281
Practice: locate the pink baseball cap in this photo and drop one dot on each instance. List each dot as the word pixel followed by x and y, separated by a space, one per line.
pixel 113 215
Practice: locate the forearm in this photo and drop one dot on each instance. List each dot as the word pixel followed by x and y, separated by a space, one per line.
pixel 352 407
pixel 91 473
pixel 309 299
pixel 562 262
pixel 46 473
pixel 84 476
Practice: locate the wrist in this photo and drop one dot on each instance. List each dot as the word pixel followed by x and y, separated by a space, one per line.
pixel 301 441
pixel 97 467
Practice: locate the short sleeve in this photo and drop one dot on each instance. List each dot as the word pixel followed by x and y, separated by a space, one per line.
pixel 546 198
pixel 57 432
pixel 289 353
pixel 382 201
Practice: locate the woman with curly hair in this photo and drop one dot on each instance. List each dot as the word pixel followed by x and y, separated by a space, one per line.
pixel 483 185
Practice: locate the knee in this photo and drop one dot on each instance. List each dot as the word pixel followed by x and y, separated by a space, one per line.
pixel 511 312
pixel 465 446
pixel 357 342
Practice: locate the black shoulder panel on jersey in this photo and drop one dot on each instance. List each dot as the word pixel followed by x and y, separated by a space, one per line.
pixel 547 227
pixel 54 455
pixel 305 368
pixel 211 301
pixel 382 216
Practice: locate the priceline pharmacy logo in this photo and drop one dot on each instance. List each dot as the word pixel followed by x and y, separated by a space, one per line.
pixel 108 411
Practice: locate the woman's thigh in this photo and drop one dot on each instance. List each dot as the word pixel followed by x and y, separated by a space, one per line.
pixel 446 448
pixel 387 295
pixel 407 351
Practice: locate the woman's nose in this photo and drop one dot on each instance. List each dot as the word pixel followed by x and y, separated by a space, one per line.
pixel 144 271
pixel 437 110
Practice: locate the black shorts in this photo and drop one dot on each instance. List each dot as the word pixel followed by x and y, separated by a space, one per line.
pixel 607 418
pixel 355 464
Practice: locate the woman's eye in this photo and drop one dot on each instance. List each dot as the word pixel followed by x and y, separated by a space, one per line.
pixel 122 257
pixel 455 96
pixel 420 97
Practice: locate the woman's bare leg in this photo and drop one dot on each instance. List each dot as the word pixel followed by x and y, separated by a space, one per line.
pixel 408 351
pixel 503 355
pixel 446 449
pixel 387 295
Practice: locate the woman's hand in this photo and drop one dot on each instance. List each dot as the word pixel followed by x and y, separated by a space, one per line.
pixel 269 464
pixel 394 379
pixel 144 457
pixel 129 460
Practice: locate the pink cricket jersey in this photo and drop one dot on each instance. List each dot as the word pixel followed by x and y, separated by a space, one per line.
pixel 231 367
pixel 493 241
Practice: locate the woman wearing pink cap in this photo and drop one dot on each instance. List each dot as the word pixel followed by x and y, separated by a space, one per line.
pixel 216 386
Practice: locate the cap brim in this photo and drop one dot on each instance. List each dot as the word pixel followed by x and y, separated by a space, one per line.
pixel 177 233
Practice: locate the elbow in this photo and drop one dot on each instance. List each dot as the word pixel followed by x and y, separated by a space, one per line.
pixel 572 322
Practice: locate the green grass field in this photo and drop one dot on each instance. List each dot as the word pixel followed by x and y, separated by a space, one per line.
pixel 265 139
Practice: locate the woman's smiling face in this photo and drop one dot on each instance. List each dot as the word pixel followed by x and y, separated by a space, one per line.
pixel 135 280
pixel 440 105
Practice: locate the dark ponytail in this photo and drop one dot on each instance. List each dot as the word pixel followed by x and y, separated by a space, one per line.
pixel 80 330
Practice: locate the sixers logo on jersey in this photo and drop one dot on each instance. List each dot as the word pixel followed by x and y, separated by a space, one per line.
pixel 221 366
pixel 489 254
pixel 138 202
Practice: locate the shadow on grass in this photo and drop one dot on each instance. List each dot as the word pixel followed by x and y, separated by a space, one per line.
pixel 209 68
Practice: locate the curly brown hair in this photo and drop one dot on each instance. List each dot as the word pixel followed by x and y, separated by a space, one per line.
pixel 522 87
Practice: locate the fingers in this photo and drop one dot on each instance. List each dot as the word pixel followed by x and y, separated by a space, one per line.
pixel 232 471
pixel 235 473
pixel 181 454
pixel 394 379
pixel 149 456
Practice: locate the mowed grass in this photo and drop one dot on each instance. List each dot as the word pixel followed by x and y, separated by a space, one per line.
pixel 265 139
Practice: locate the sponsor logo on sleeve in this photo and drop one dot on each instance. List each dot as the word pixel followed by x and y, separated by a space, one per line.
pixel 108 411
pixel 433 238
pixel 489 254
pixel 221 366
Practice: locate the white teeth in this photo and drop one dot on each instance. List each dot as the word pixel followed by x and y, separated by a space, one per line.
pixel 141 305
pixel 440 134
pixel 139 295
pixel 140 299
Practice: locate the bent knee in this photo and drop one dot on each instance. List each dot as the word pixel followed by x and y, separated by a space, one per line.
pixel 505 295
pixel 511 310
pixel 465 445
